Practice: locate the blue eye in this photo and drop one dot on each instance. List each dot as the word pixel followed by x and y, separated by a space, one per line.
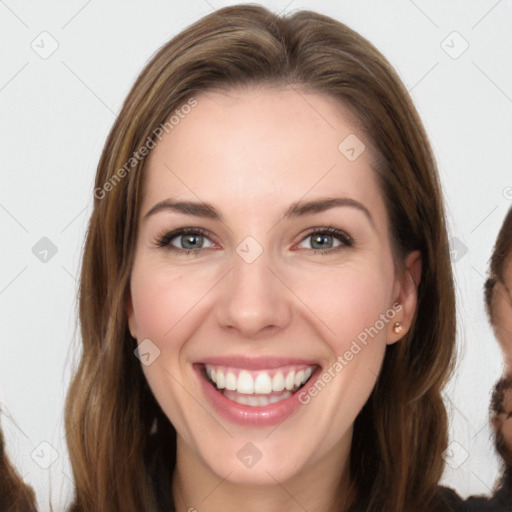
pixel 323 240
pixel 192 240
pixel 188 240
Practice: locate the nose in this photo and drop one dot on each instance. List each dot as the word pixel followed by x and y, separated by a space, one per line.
pixel 253 299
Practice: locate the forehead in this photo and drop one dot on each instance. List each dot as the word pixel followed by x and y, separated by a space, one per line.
pixel 263 146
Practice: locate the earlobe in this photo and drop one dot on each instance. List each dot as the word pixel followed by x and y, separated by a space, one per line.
pixel 407 297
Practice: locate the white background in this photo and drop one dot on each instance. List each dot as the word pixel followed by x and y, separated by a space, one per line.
pixel 56 114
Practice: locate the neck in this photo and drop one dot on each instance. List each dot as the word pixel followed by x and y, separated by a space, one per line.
pixel 323 486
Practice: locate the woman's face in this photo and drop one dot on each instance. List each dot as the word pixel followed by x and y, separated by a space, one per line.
pixel 507 419
pixel 258 295
pixel 502 313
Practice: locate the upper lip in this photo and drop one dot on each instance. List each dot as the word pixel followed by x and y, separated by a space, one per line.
pixel 255 363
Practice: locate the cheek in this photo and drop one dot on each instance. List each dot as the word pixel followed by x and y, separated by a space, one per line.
pixel 162 297
pixel 503 328
pixel 507 432
pixel 503 308
pixel 153 305
pixel 349 300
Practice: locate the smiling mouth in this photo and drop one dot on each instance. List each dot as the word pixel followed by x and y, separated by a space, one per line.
pixel 258 388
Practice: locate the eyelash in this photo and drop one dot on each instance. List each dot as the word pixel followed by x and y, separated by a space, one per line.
pixel 164 239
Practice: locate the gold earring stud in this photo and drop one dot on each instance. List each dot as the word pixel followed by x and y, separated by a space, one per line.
pixel 397 328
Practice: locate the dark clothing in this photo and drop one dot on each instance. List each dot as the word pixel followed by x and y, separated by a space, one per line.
pixel 500 502
pixel 452 502
pixel 449 501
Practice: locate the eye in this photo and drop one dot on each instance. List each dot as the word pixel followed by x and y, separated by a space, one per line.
pixel 193 240
pixel 327 239
pixel 185 240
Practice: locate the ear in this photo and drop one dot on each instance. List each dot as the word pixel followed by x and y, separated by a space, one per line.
pixel 406 294
pixel 132 323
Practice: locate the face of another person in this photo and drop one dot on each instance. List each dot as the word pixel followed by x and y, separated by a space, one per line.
pixel 252 302
pixel 506 429
pixel 502 313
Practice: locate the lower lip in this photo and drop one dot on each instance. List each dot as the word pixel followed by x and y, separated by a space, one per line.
pixel 268 415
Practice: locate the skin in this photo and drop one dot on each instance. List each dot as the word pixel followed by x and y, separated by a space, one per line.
pixel 502 327
pixel 506 428
pixel 502 314
pixel 252 153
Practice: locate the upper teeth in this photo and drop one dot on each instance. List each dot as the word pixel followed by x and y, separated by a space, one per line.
pixel 258 382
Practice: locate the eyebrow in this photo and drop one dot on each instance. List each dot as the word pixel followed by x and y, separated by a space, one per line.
pixel 298 209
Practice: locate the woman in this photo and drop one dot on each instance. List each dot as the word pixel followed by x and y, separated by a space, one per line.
pixel 268 238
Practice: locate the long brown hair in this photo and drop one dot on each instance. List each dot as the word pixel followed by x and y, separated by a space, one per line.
pixel 401 432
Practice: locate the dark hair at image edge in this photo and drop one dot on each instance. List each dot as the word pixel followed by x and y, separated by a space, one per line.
pixel 400 434
pixel 15 494
pixel 497 411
